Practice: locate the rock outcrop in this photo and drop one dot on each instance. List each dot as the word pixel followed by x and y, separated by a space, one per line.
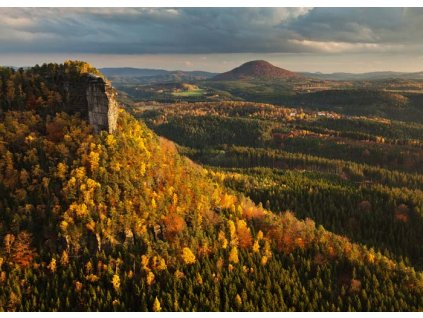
pixel 94 98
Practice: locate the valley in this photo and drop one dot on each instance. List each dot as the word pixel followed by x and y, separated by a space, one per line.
pixel 241 194
pixel 398 98
pixel 315 163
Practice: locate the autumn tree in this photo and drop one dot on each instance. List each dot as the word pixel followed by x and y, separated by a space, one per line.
pixel 22 253
pixel 245 238
pixel 233 255
pixel 174 224
pixel 156 305
pixel 188 256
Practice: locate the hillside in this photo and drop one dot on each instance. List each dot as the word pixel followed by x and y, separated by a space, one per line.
pixel 367 102
pixel 147 72
pixel 317 164
pixel 256 70
pixel 127 75
pixel 122 222
pixel 365 76
pixel 392 95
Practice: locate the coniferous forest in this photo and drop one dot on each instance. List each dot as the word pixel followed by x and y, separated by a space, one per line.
pixel 255 207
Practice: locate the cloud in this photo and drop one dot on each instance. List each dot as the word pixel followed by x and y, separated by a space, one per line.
pixel 376 25
pixel 342 47
pixel 209 30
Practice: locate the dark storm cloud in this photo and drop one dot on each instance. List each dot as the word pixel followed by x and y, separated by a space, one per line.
pixel 373 25
pixel 209 30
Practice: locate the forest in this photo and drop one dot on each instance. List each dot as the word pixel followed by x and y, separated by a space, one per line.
pixel 130 221
pixel 359 177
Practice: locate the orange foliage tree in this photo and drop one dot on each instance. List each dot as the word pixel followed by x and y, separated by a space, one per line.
pixel 245 238
pixel 174 224
pixel 22 253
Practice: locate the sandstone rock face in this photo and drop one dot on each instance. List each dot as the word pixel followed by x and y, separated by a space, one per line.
pixel 95 99
pixel 102 105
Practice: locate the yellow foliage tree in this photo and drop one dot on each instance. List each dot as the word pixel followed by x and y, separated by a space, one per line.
pixel 153 203
pixel 110 141
pixel 156 305
pixel 233 255
pixel 256 247
pixel 199 279
pixel 232 232
pixel 150 278
pixel 144 262
pixel 161 266
pixel 222 239
pixel 267 249
pixel 61 170
pixel 238 300
pixel 188 256
pixel 232 229
pixel 260 235
pixel 116 282
pixel 371 256
pixel 64 260
pixel 52 266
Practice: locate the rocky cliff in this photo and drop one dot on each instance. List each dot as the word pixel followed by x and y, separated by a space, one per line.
pixel 94 98
pixel 102 104
pixel 74 87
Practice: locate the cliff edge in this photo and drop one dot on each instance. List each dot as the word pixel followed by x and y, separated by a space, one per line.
pixel 94 98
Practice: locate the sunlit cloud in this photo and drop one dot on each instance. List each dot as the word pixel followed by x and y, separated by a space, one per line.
pixel 341 47
pixel 208 32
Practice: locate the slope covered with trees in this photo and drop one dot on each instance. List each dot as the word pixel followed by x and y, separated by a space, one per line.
pixel 123 222
pixel 357 176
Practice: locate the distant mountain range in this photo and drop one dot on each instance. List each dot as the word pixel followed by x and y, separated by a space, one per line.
pixel 145 75
pixel 251 70
pixel 364 76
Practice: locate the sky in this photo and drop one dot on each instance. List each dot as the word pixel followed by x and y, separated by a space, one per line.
pixel 216 39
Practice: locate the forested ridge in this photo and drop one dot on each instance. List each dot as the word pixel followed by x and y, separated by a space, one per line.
pixel 357 176
pixel 123 222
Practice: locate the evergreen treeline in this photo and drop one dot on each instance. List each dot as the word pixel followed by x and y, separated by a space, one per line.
pixel 205 125
pixel 387 219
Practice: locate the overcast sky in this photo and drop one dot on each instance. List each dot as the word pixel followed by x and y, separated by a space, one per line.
pixel 216 39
